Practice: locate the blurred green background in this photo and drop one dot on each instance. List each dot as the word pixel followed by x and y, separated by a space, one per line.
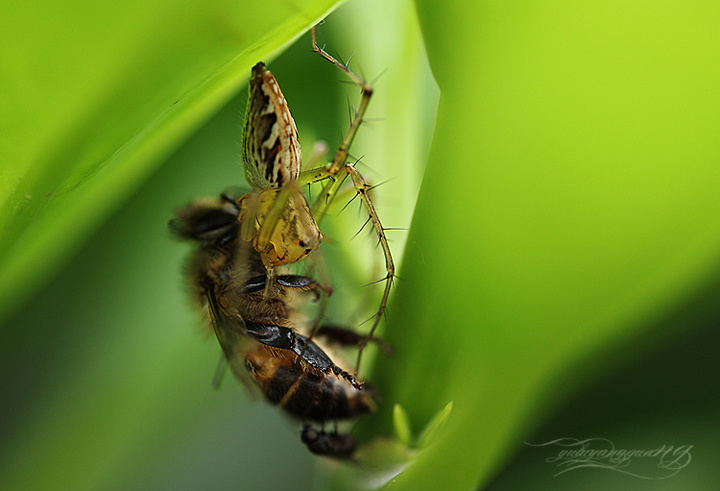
pixel 559 278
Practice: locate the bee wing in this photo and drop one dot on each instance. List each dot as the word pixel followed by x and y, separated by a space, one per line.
pixel 229 330
pixel 271 150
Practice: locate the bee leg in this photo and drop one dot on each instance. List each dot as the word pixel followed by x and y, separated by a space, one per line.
pixel 304 283
pixel 339 372
pixel 311 354
pixel 307 351
pixel 295 282
pixel 347 337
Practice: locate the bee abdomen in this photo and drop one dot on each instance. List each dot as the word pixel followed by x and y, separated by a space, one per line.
pixel 315 397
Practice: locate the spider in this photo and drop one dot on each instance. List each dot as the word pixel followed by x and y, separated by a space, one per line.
pixel 275 217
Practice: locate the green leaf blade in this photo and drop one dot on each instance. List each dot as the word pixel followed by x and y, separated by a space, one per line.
pixel 96 96
pixel 569 202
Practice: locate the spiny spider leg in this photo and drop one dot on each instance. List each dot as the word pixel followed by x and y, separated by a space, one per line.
pixel 337 171
pixel 347 337
pixel 342 152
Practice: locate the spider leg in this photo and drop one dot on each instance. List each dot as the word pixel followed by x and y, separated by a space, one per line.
pixel 336 172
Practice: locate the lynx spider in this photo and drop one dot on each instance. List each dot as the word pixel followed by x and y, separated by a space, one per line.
pixel 276 217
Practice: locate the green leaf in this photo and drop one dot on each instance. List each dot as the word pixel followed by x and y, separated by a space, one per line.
pixel 403 431
pixel 569 205
pixel 95 96
pixel 434 428
pixel 567 219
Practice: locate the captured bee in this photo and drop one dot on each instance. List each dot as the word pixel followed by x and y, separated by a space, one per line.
pixel 256 327
pixel 275 217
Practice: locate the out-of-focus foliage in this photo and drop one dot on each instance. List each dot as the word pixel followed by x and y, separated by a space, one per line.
pixel 94 96
pixel 568 210
pixel 564 248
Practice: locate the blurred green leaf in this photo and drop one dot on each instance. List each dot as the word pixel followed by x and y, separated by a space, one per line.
pixel 569 204
pixel 403 431
pixel 110 381
pixel 434 428
pixel 568 209
pixel 94 96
